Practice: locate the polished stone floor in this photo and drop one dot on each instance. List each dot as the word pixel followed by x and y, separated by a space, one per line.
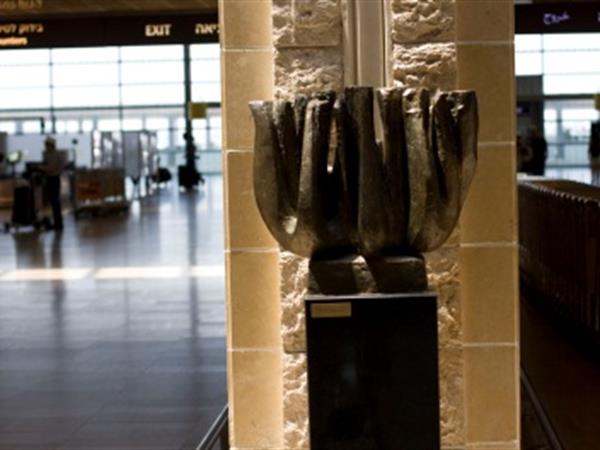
pixel 564 375
pixel 112 334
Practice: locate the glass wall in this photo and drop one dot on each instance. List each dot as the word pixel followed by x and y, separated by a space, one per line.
pixel 569 65
pixel 76 90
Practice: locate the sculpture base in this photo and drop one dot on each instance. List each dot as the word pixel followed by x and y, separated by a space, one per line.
pixel 353 275
pixel 373 372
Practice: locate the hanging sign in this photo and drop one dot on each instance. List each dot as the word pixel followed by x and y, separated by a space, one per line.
pixel 21 5
pixel 102 31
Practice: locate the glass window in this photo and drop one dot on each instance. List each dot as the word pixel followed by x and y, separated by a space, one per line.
pixel 31 126
pixel 206 92
pixel 206 70
pixel 152 53
pixel 162 139
pixel 25 76
pixel 551 131
pixel 152 72
pixel 86 96
pixel 153 94
pixel 528 64
pixel 576 62
pixel 570 41
pixel 67 126
pixel 22 57
pixel 528 42
pixel 132 124
pixel 22 98
pixel 579 114
pixel 86 54
pixel 85 74
pixel 157 123
pixel 109 124
pixel 571 84
pixel 111 88
pixel 550 114
pixel 87 125
pixel 204 51
pixel 9 127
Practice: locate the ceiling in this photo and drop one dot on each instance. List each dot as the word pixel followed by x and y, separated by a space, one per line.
pixel 47 8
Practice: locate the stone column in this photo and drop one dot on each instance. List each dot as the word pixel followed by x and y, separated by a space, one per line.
pixel 253 313
pixel 424 54
pixel 435 43
pixel 488 254
pixel 308 59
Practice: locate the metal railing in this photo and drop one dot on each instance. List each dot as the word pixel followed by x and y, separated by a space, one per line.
pixel 559 232
pixel 217 437
pixel 547 431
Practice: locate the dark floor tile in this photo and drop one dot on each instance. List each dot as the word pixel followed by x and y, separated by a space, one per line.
pixel 116 364
pixel 131 436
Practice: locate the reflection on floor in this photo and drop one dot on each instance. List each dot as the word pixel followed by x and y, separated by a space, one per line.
pixel 112 335
pixel 564 375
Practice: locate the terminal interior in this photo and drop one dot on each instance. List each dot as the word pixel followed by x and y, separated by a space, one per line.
pixel 113 330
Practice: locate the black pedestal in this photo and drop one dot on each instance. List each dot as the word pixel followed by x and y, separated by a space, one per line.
pixel 373 372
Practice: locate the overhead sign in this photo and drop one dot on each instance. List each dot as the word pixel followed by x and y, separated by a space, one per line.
pixel 197 110
pixel 21 5
pixel 544 18
pixel 100 31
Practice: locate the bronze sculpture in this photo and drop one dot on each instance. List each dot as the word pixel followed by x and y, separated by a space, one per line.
pixel 325 187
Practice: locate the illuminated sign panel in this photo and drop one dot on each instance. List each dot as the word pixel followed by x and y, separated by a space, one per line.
pixel 131 30
pixel 21 5
pixel 557 18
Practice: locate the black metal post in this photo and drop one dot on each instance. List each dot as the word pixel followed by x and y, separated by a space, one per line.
pixel 190 148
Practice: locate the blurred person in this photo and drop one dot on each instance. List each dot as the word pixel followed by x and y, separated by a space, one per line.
pixel 594 153
pixel 539 151
pixel 524 155
pixel 53 166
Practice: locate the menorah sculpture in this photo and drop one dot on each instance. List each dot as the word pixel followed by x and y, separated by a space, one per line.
pixel 326 188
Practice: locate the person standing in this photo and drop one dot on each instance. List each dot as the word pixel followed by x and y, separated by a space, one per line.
pixel 53 166
pixel 594 153
pixel 539 149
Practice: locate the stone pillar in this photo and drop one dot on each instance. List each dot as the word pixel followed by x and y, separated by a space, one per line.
pixel 488 253
pixel 424 53
pixel 253 313
pixel 308 59
pixel 446 43
pixel 469 44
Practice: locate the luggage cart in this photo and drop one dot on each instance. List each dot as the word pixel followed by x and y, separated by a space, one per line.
pixel 99 192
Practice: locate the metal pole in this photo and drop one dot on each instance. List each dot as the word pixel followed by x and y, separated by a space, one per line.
pixel 190 148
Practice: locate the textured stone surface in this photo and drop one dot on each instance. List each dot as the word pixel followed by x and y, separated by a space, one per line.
pixel 306 71
pixel 443 275
pixel 295 401
pixel 294 287
pixel 302 23
pixel 425 65
pixel 423 21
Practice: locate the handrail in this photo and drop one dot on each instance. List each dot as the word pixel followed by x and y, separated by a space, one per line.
pixel 550 433
pixel 218 432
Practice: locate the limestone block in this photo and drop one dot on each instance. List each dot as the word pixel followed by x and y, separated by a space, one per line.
pixel 423 21
pixel 283 29
pixel 294 287
pixel 443 277
pixel 452 387
pixel 306 71
pixel 307 23
pixel 426 65
pixel 295 401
